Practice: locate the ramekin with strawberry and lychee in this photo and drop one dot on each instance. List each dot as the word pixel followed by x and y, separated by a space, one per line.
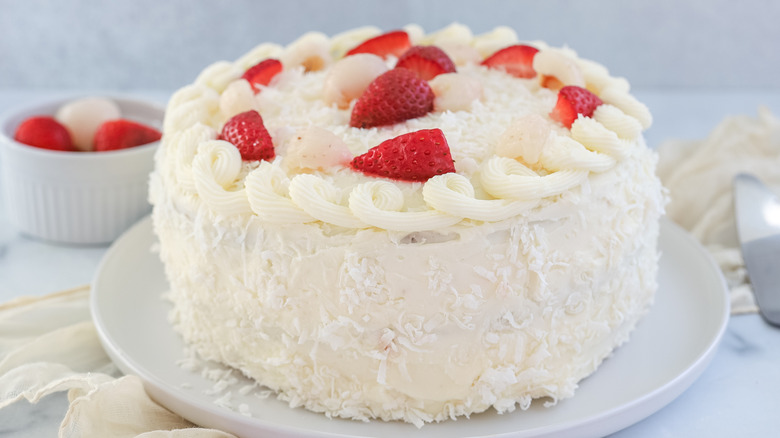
pixel 90 124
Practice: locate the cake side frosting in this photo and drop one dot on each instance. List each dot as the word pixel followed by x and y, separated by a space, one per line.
pixel 519 311
pixel 508 280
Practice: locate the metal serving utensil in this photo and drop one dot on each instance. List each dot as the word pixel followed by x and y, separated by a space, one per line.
pixel 758 225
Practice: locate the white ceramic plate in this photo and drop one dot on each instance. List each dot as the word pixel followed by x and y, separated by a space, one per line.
pixel 669 349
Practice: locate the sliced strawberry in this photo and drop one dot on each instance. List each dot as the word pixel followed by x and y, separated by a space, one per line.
pixel 123 133
pixel 391 43
pixel 394 96
pixel 44 132
pixel 247 132
pixel 427 61
pixel 416 156
pixel 517 60
pixel 572 101
pixel 261 73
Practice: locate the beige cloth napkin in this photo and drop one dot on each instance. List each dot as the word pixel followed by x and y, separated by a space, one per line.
pixel 699 174
pixel 49 344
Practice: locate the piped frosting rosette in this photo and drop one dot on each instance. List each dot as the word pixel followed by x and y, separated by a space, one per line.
pixel 216 170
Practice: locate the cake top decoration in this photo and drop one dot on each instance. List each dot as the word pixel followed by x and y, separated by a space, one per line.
pixel 329 115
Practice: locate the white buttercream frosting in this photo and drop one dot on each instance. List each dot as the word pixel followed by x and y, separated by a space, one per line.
pixel 558 63
pixel 268 190
pixel 508 280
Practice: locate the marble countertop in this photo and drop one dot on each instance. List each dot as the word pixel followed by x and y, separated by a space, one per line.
pixel 737 395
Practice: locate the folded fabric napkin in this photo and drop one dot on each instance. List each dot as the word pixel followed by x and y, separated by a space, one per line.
pixel 698 175
pixel 49 344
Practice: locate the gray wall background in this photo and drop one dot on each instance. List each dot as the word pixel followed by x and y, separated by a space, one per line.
pixel 161 45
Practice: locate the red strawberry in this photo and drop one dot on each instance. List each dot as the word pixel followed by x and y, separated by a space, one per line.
pixel 415 156
pixel 122 133
pixel 517 60
pixel 44 132
pixel 261 73
pixel 247 132
pixel 427 61
pixel 574 100
pixel 391 43
pixel 394 96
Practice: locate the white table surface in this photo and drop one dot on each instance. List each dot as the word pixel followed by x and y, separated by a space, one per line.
pixel 738 394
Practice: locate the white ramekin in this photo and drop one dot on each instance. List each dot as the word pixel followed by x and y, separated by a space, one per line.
pixel 76 197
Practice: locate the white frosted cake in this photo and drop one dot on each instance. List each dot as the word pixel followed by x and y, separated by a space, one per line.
pixel 377 229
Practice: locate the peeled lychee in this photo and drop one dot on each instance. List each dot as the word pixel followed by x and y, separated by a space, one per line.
pixel 316 148
pixel 83 116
